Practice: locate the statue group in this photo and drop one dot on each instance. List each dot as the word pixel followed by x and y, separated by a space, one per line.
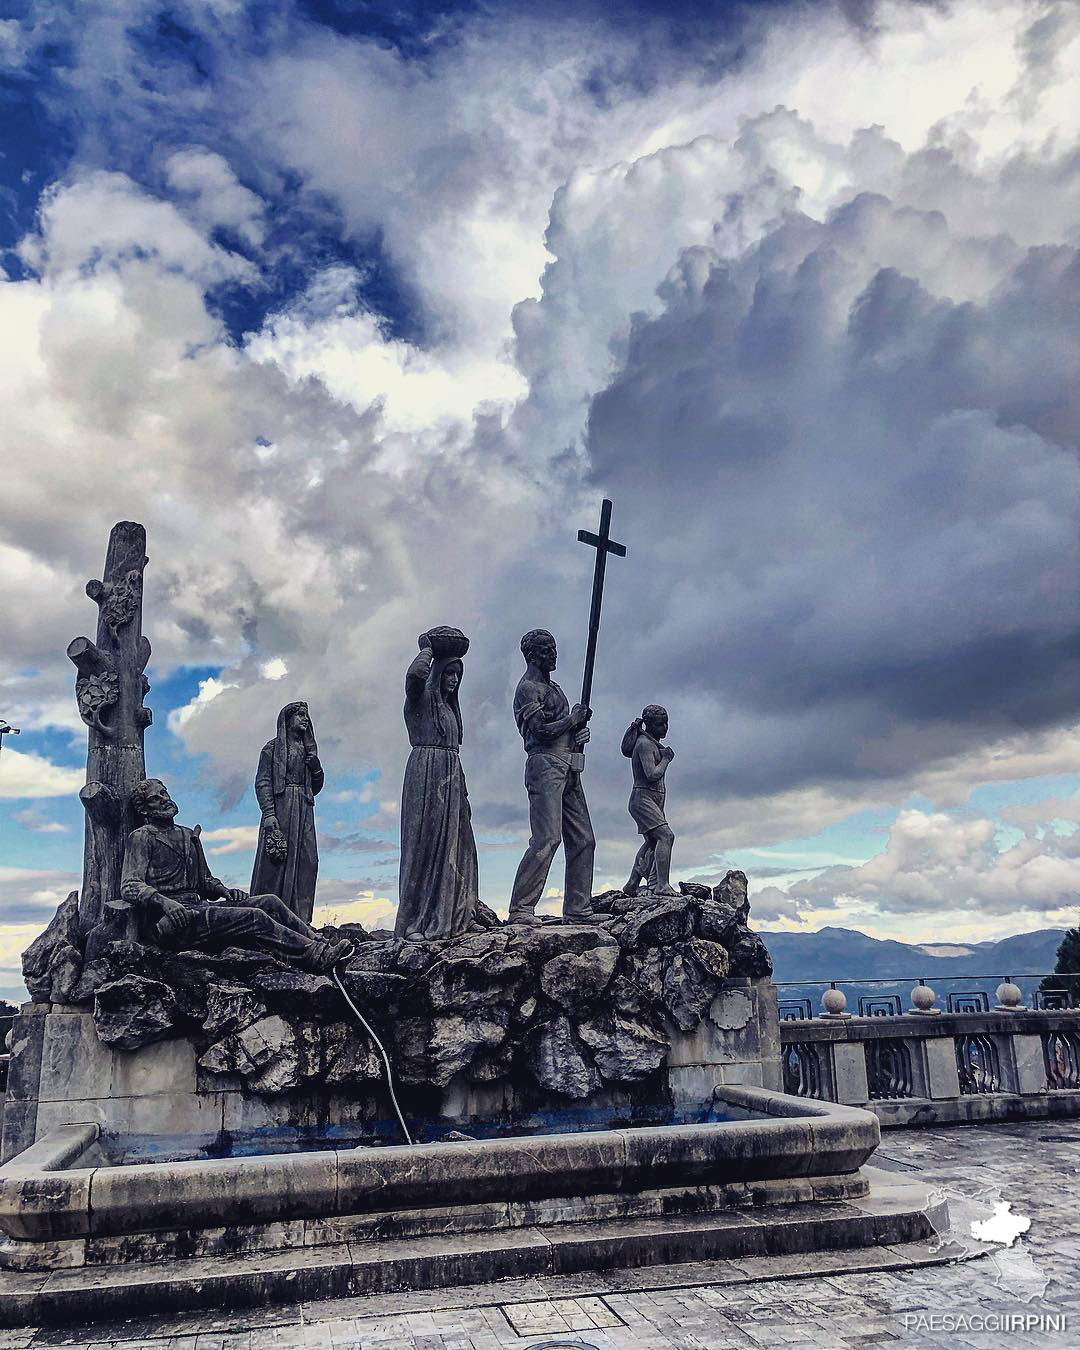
pixel 145 876
pixel 438 890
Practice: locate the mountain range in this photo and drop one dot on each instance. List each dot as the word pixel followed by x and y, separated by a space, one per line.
pixel 851 957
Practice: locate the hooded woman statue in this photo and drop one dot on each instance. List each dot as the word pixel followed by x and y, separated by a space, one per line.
pixel 289 776
pixel 438 888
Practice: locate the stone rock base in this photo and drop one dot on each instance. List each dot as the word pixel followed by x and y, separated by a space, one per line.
pixel 160 1102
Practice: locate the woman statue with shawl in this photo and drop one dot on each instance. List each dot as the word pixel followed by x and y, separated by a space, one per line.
pixel 438 887
pixel 289 776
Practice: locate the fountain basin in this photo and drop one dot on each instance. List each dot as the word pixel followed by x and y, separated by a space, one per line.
pixel 85 1240
pixel 62 1189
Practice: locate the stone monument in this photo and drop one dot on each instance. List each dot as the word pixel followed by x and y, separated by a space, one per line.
pixel 198 1018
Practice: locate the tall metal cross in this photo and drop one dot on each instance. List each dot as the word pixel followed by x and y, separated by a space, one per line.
pixel 604 545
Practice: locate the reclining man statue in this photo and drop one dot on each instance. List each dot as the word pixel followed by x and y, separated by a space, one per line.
pixel 166 876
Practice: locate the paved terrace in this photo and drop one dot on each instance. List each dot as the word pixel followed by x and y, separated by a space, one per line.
pixel 809 1302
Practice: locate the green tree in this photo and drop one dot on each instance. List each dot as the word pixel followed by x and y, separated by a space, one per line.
pixel 1068 966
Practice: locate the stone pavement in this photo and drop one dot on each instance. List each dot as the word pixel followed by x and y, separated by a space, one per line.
pixel 809 1302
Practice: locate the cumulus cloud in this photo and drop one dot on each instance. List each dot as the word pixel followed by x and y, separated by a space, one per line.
pixel 936 863
pixel 31 895
pixel 231 839
pixel 210 190
pixel 35 820
pixel 811 320
pixel 24 774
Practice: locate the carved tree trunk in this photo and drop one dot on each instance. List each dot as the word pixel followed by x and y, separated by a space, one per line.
pixel 110 689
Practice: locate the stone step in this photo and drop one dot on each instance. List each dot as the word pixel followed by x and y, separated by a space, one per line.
pixel 893 1213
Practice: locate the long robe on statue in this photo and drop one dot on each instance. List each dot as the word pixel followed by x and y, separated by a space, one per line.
pixel 438 888
pixel 288 778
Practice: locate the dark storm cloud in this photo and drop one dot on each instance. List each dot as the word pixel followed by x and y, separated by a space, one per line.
pixel 863 500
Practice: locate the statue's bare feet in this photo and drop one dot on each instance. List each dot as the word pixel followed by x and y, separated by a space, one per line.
pixel 665 890
pixel 523 916
pixel 631 887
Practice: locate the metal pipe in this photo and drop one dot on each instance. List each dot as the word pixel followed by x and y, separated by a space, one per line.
pixel 385 1057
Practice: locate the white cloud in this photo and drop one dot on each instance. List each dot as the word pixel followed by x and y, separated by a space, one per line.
pixel 938 863
pixel 209 689
pixel 34 819
pixel 231 839
pixel 24 774
pixel 213 194
pixel 104 217
pixel 32 894
pixel 830 371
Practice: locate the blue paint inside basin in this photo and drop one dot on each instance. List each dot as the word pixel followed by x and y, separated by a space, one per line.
pixel 558 1165
pixel 114 1150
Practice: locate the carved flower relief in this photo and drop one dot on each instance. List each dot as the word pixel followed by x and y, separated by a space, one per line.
pixel 277 846
pixel 121 601
pixel 95 692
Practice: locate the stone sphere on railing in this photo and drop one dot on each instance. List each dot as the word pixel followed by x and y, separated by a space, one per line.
pixel 1009 995
pixel 834 1001
pixel 923 999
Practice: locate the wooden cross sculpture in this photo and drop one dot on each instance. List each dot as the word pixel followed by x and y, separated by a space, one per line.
pixel 604 545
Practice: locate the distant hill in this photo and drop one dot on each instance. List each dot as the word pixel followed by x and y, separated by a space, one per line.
pixel 845 955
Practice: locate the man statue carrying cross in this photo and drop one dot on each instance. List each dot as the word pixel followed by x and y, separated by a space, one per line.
pixel 555 736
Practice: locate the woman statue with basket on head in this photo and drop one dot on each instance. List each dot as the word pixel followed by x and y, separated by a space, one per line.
pixel 438 888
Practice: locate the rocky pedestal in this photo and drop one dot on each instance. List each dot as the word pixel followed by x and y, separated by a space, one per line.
pixel 553 1026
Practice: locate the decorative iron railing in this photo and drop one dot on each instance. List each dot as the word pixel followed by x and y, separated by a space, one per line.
pixel 888 1070
pixel 968 1001
pixel 977 1064
pixel 1061 1053
pixel 804 1071
pixel 880 1005
pixel 1048 1000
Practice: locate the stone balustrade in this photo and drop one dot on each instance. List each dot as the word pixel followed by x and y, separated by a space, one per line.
pixel 926 1066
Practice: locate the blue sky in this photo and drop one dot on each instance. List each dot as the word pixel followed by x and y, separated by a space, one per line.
pixel 361 308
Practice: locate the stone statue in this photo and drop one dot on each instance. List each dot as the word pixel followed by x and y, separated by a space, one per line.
pixel 554 734
pixel 641 745
pixel 438 886
pixel 109 689
pixel 167 880
pixel 288 778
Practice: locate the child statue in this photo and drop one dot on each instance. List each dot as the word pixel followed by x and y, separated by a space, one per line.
pixel 641 745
